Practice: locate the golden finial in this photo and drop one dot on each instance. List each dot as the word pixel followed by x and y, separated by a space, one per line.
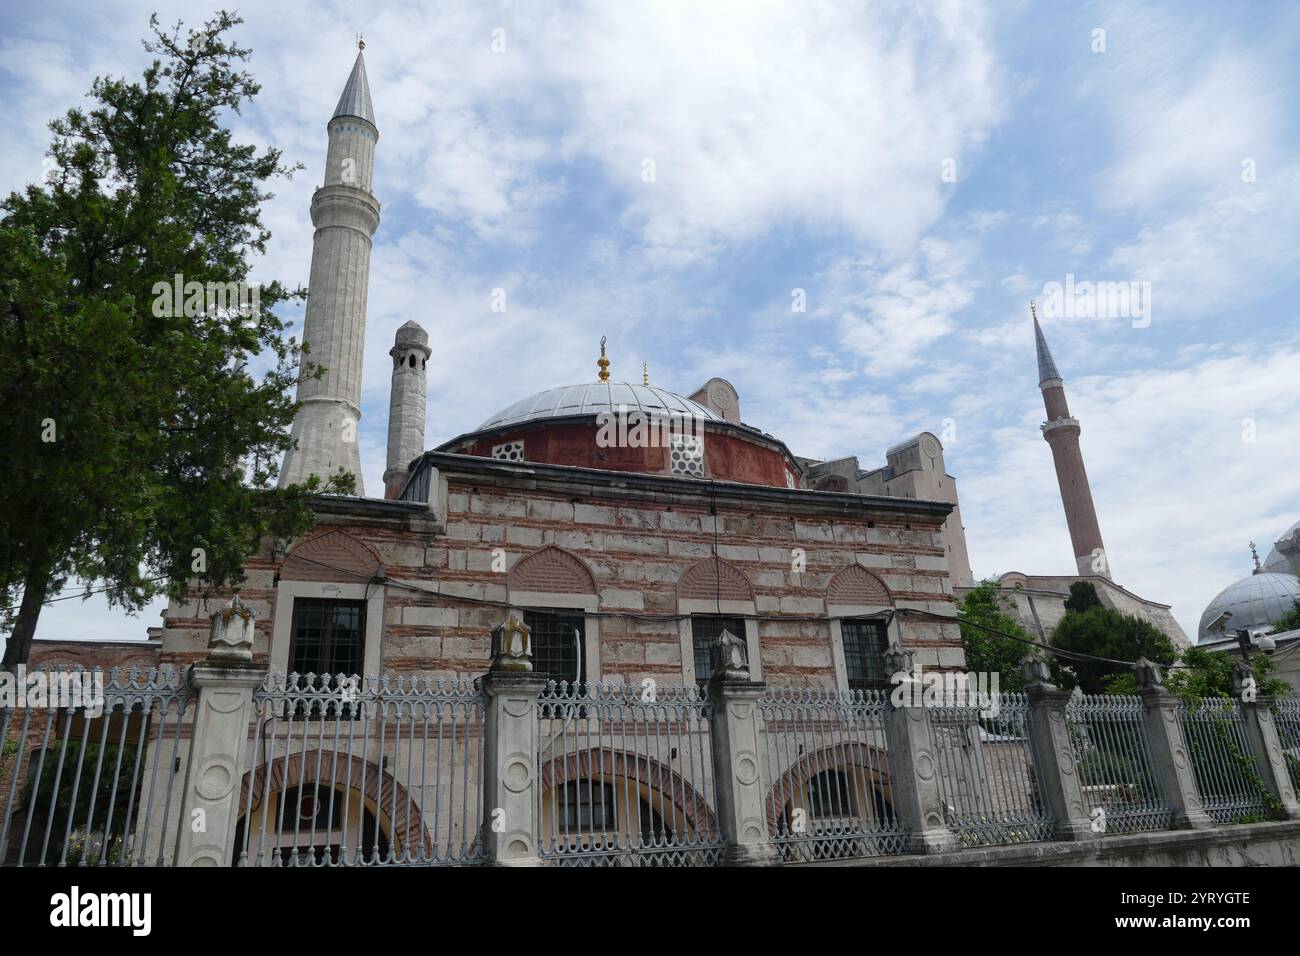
pixel 603 362
pixel 645 373
pixel 361 41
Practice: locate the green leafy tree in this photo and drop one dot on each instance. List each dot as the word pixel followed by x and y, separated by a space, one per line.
pixel 1102 632
pixel 1289 621
pixel 984 619
pixel 140 449
pixel 1083 595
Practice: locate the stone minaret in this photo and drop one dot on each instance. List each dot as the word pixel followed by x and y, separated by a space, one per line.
pixel 346 214
pixel 410 354
pixel 1062 434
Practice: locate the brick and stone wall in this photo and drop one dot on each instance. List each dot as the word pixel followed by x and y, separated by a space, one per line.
pixel 636 544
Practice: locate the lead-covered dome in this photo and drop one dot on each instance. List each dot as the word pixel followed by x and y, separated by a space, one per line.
pixel 619 426
pixel 594 398
pixel 1255 601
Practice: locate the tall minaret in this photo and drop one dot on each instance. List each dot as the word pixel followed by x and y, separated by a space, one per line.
pixel 1062 434
pixel 345 214
pixel 410 354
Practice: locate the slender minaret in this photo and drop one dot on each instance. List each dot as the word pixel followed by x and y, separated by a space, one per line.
pixel 410 354
pixel 1062 434
pixel 345 214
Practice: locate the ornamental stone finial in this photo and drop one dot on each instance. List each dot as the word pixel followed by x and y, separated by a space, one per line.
pixel 512 647
pixel 1243 676
pixel 730 658
pixel 231 637
pixel 1147 673
pixel 1035 669
pixel 898 661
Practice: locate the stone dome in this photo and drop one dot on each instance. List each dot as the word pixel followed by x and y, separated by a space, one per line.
pixel 594 398
pixel 1255 601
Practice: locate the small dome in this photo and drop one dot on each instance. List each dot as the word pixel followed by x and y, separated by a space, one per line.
pixel 594 398
pixel 1255 601
pixel 412 332
pixel 1276 560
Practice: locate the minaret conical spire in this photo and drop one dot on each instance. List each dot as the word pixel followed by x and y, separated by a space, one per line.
pixel 1046 366
pixel 355 100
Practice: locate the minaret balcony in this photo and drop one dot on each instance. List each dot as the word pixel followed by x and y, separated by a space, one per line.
pixel 1059 425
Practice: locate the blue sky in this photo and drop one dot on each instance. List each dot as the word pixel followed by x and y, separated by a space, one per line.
pixel 804 146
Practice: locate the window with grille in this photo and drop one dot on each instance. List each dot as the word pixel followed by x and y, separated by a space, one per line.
pixel 311 806
pixel 865 642
pixel 509 451
pixel 559 640
pixel 705 629
pixel 584 807
pixel 329 637
pixel 686 455
pixel 830 795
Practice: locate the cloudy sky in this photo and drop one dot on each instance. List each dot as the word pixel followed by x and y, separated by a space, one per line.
pixel 921 171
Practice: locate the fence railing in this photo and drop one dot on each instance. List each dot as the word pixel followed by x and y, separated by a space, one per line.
pixel 90 777
pixel 391 771
pixel 1286 714
pixel 1222 762
pixel 828 774
pixel 363 772
pixel 987 777
pixel 1120 791
pixel 626 776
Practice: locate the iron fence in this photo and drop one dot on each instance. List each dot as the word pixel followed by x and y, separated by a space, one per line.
pixel 378 771
pixel 626 776
pixel 90 771
pixel 1286 714
pixel 987 778
pixel 1108 735
pixel 1223 765
pixel 828 774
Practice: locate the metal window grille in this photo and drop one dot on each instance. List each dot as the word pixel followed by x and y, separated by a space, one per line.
pixel 865 643
pixel 584 809
pixel 85 786
pixel 987 777
pixel 559 643
pixel 828 773
pixel 705 629
pixel 1286 713
pixel 639 760
pixel 329 636
pixel 399 783
pixel 1108 735
pixel 1222 762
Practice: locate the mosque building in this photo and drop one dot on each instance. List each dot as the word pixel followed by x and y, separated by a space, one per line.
pixel 626 523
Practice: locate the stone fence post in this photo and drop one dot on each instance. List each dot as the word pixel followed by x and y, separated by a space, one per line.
pixel 734 735
pixel 1055 762
pixel 511 776
pixel 224 682
pixel 1261 732
pixel 1170 761
pixel 915 786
